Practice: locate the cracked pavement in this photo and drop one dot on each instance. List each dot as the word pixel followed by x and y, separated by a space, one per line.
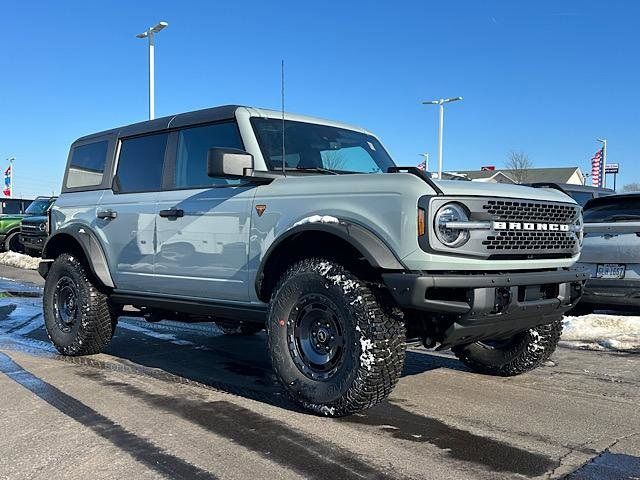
pixel 183 401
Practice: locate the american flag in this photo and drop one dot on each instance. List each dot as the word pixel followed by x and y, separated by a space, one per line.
pixel 423 165
pixel 596 169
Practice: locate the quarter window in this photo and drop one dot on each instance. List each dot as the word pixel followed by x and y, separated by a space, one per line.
pixel 140 163
pixel 193 147
pixel 87 165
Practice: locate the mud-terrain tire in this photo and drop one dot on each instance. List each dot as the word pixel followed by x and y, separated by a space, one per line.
pixel 518 354
pixel 337 343
pixel 244 329
pixel 77 315
pixel 12 243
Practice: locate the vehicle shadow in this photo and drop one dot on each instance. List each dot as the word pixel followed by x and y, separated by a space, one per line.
pixel 230 363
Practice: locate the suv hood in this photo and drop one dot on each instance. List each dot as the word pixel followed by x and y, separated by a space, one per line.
pixel 34 219
pixel 10 217
pixel 485 189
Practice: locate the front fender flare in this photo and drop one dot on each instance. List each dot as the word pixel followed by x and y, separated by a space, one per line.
pixel 377 253
pixel 90 246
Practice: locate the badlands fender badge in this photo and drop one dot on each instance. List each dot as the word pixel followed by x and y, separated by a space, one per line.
pixel 260 209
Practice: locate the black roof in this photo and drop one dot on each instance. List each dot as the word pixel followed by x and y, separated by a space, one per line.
pixel 214 114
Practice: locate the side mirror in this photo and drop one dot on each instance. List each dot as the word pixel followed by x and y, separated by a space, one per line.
pixel 228 162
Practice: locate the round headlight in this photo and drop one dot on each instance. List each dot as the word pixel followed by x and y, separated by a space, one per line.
pixel 43 227
pixel 451 237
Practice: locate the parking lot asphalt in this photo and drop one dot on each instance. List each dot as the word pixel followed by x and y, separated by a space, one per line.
pixel 169 400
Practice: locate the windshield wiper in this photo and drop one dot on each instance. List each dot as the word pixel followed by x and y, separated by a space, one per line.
pixel 314 169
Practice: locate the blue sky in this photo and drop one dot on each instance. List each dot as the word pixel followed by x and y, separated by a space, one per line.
pixel 544 77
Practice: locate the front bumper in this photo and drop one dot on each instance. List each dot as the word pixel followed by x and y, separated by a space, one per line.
pixel 35 242
pixel 488 305
pixel 618 292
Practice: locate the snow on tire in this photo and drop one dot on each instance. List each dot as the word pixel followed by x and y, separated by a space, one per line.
pixel 337 343
pixel 513 356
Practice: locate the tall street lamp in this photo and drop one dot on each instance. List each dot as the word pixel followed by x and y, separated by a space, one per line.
pixel 149 34
pixel 440 102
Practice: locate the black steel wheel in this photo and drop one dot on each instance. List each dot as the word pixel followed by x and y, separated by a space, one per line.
pixel 337 342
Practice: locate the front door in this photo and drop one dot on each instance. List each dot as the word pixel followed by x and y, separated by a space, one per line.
pixel 203 223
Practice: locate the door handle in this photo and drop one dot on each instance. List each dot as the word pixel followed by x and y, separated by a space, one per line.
pixel 172 213
pixel 107 214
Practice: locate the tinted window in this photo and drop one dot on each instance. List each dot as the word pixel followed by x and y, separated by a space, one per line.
pixel 613 210
pixel 87 165
pixel 140 163
pixel 193 146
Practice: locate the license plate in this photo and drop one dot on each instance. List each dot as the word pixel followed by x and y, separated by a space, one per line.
pixel 610 270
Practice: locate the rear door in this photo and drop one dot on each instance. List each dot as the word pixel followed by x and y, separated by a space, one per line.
pixel 203 223
pixel 126 214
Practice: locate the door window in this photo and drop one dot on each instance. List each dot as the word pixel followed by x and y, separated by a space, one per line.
pixel 193 146
pixel 140 163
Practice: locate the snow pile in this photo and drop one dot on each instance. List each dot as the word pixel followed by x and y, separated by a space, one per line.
pixel 599 331
pixel 14 259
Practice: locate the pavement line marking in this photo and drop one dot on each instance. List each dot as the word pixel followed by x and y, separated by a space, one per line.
pixel 140 449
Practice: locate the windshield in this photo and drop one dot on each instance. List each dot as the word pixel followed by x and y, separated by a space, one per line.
pixel 38 207
pixel 615 210
pixel 319 148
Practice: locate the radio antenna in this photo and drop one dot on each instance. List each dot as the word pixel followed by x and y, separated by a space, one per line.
pixel 284 165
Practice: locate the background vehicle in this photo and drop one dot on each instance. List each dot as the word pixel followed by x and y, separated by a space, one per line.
pixel 34 228
pixel 204 216
pixel 580 193
pixel 611 253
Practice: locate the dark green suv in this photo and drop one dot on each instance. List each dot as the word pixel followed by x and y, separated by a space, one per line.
pixel 10 224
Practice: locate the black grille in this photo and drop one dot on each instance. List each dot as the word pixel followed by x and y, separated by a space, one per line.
pixel 505 210
pixel 526 240
pixel 531 242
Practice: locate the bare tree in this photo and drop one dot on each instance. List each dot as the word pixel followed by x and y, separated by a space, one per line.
pixel 517 164
pixel 631 187
pixel 333 160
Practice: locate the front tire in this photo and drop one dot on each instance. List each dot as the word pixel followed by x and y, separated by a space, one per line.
pixel 337 343
pixel 13 244
pixel 77 315
pixel 521 353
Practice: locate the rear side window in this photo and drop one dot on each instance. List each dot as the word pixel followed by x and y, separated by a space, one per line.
pixel 193 147
pixel 140 163
pixel 613 210
pixel 87 165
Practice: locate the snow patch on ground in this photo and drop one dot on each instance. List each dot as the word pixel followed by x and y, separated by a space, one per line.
pixel 19 260
pixel 600 331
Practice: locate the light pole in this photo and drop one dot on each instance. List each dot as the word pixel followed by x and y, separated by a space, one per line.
pixel 149 34
pixel 440 102
pixel 603 141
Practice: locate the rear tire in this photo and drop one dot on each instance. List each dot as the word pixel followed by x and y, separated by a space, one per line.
pixel 337 344
pixel 521 353
pixel 77 315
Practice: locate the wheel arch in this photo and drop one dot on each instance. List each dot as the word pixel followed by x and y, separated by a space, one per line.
pixel 353 244
pixel 79 240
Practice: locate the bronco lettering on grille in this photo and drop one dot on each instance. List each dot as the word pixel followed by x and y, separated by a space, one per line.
pixel 553 227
